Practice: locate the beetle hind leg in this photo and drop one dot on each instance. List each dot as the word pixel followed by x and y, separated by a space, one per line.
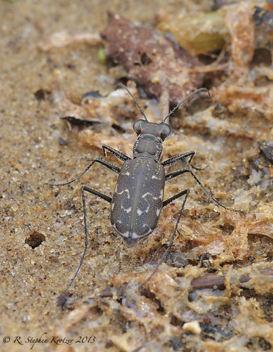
pixel 180 194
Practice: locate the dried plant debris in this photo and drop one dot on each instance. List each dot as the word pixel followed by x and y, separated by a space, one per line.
pixel 243 30
pixel 205 122
pixel 264 26
pixel 151 60
pixel 198 33
pixel 73 121
pixel 258 167
pixel 42 94
pixel 100 120
pixel 203 33
pixel 63 39
pixel 171 314
pixel 267 149
pixel 237 244
pixel 247 99
pixel 196 238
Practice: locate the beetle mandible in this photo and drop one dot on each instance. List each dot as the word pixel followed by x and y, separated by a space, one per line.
pixel 138 197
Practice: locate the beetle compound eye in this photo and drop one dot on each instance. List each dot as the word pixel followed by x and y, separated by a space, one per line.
pixel 138 126
pixel 165 131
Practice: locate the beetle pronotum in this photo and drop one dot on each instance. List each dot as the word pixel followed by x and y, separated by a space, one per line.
pixel 138 197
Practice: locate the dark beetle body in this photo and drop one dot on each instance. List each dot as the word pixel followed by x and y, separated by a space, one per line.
pixel 138 197
pixel 136 207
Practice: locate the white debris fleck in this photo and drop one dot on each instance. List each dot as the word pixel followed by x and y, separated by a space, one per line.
pixel 192 327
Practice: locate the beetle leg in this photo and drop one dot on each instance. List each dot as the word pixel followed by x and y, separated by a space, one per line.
pixel 178 195
pixel 179 172
pixel 98 160
pixel 186 193
pixel 96 193
pixel 101 195
pixel 175 159
pixel 117 153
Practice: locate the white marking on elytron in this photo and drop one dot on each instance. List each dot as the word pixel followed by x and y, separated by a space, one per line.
pixel 125 173
pixel 148 207
pixel 115 228
pixel 113 205
pixel 117 221
pixel 158 212
pixel 139 212
pixel 135 235
pixel 154 176
pixel 124 190
pixel 125 234
pixel 127 210
pixel 155 198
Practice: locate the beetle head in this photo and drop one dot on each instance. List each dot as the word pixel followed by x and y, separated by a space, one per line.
pixel 142 127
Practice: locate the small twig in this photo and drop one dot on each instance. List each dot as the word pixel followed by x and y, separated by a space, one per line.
pixel 211 280
pixel 206 281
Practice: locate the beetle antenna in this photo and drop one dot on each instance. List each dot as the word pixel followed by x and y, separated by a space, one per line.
pixel 193 93
pixel 123 86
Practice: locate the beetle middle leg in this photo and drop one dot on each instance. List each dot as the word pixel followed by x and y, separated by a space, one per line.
pixel 117 153
pixel 98 160
pixel 180 172
pixel 110 166
pixel 182 157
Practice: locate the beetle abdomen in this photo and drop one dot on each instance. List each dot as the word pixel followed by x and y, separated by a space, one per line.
pixel 138 198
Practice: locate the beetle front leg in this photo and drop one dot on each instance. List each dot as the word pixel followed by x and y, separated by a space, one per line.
pixel 117 153
pixel 175 159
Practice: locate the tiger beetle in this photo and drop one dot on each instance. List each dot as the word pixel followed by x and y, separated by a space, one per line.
pixel 138 197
